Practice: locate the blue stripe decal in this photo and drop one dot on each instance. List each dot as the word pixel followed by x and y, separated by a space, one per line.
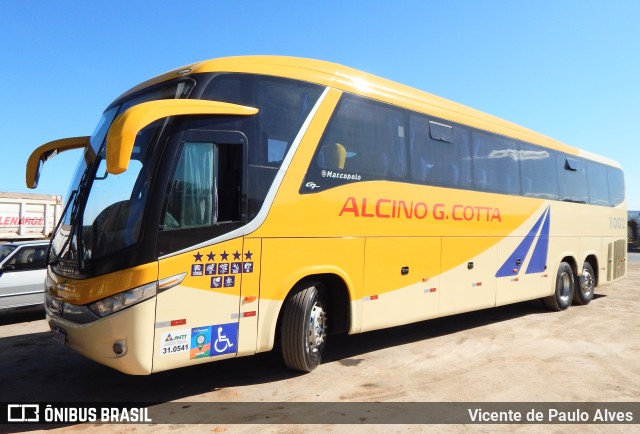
pixel 522 250
pixel 538 262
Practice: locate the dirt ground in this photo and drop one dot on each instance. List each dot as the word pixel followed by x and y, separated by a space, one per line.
pixel 516 353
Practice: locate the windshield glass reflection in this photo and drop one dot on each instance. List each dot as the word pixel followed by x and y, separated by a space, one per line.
pixel 109 208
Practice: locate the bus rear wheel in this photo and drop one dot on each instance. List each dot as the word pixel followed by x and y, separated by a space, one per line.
pixel 304 327
pixel 565 287
pixel 585 285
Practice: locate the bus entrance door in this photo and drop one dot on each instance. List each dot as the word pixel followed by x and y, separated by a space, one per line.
pixel 198 319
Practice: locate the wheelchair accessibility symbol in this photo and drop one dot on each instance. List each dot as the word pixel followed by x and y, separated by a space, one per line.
pixel 222 343
pixel 225 338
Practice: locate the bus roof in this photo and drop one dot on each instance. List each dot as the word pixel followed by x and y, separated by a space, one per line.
pixel 368 85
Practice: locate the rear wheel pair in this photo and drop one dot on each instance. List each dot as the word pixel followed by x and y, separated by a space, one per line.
pixel 569 290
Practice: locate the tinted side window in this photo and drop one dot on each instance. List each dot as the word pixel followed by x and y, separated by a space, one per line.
pixel 364 140
pixel 231 88
pixel 495 163
pixel 598 184
pixel 40 257
pixel 616 185
pixel 439 153
pixel 5 250
pixel 538 170
pixel 283 106
pixel 29 258
pixel 572 179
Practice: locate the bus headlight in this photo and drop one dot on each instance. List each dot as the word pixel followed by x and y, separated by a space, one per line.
pixel 119 301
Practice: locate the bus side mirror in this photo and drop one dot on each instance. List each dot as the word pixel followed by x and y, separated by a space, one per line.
pixel 48 151
pixel 122 133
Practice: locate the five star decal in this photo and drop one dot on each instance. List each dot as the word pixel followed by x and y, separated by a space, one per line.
pixel 221 272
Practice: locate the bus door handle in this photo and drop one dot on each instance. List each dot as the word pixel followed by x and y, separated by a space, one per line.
pixel 404 271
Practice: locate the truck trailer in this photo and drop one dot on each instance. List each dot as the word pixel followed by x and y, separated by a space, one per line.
pixel 28 216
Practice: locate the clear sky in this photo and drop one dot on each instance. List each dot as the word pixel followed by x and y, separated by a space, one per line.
pixel 569 69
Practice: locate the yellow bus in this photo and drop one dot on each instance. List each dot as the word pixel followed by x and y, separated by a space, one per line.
pixel 238 202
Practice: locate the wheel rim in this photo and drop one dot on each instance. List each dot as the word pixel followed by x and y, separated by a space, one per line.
pixel 317 327
pixel 563 287
pixel 588 283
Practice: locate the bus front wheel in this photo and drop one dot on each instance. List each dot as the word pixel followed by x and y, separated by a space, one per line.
pixel 585 286
pixel 304 327
pixel 565 287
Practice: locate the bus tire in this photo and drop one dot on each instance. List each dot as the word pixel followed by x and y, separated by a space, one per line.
pixel 585 286
pixel 304 327
pixel 565 288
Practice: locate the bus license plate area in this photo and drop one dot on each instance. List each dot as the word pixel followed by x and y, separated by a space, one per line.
pixel 59 335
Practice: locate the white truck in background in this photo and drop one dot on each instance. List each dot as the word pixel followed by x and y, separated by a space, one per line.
pixel 28 216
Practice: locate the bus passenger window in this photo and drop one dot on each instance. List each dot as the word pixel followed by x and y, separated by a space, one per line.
pixel 332 156
pixel 495 163
pixel 276 150
pixel 598 185
pixel 439 153
pixel 364 141
pixel 616 185
pixel 572 180
pixel 538 171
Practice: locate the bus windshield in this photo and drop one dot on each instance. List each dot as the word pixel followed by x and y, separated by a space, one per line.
pixel 212 185
pixel 109 208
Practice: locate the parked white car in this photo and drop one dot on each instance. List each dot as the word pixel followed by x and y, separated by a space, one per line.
pixel 23 270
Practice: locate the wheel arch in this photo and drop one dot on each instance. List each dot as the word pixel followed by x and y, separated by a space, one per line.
pixel 571 260
pixel 339 293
